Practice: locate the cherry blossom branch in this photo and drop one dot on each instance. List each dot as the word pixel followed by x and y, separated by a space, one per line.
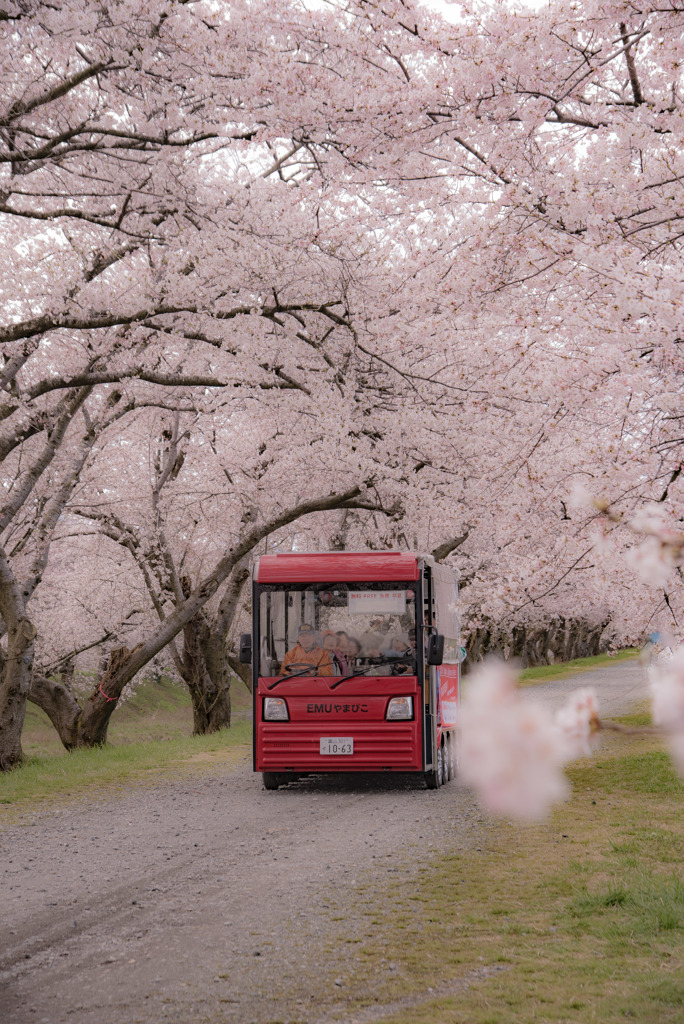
pixel 98 321
pixel 58 214
pixel 90 380
pixel 57 665
pixel 21 107
pixel 295 148
pixel 64 144
pixel 663 549
pixel 551 588
pixel 202 593
pixel 630 45
pixel 28 479
pixel 42 531
pixel 14 364
pixel 166 468
pixel 448 546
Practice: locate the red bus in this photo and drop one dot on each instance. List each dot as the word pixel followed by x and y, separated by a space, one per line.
pixel 355 664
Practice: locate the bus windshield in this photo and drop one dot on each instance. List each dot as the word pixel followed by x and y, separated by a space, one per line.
pixel 337 629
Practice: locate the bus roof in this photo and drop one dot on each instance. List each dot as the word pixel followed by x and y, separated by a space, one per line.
pixel 338 566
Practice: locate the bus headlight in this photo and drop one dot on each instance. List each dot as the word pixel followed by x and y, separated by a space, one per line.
pixel 275 710
pixel 399 709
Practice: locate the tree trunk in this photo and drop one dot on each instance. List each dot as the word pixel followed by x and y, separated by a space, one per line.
pixel 558 639
pixel 243 672
pixel 205 671
pixel 15 682
pixel 16 664
pixel 102 701
pixel 216 659
pixel 61 707
pixel 77 726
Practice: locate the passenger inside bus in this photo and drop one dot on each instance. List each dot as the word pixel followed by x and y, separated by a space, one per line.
pixel 308 652
pixel 334 644
pixel 397 647
pixel 344 648
pixel 353 650
pixel 400 654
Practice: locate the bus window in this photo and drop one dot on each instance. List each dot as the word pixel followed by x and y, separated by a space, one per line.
pixel 365 622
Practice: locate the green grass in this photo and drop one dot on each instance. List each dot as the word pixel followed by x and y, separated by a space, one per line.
pixel 545 673
pixel 149 734
pixel 577 921
pixel 55 777
pixel 157 711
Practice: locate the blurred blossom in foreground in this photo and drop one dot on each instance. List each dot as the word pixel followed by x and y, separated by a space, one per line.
pixel 667 693
pixel 513 749
pixel 662 550
pixel 652 560
pixel 577 723
pixel 650 519
pixel 580 496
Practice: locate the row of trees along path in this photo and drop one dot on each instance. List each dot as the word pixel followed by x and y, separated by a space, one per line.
pixel 351 276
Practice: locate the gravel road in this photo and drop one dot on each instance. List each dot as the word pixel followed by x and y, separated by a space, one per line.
pixel 206 898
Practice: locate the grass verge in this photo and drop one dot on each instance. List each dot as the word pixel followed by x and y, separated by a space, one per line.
pixel 577 921
pixel 149 734
pixel 157 711
pixel 545 673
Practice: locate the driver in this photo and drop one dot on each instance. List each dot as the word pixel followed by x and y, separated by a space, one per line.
pixel 307 651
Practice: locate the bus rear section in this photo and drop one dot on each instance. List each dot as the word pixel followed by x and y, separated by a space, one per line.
pixel 341 649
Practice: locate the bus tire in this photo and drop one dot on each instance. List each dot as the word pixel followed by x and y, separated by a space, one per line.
pixel 435 778
pixel 451 756
pixel 446 760
pixel 270 779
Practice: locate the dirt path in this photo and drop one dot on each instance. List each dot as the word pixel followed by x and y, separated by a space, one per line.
pixel 209 899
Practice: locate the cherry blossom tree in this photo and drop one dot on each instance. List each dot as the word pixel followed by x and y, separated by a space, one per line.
pixel 170 265
pixel 105 113
pixel 560 128
pixel 441 259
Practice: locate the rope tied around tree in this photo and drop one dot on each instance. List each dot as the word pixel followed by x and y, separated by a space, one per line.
pixel 116 659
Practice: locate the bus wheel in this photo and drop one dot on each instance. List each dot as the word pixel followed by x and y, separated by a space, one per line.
pixel 435 778
pixel 270 779
pixel 451 756
pixel 446 760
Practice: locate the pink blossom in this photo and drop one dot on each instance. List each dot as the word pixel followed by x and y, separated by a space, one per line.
pixel 577 722
pixel 580 496
pixel 652 560
pixel 667 697
pixel 649 519
pixel 511 751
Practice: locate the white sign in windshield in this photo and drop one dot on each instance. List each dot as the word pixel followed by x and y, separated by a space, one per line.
pixel 364 601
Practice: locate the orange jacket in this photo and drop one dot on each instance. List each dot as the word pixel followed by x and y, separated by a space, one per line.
pixel 316 657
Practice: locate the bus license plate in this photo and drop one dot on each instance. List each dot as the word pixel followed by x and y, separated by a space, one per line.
pixel 337 745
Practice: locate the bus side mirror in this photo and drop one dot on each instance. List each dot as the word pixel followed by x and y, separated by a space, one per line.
pixel 435 651
pixel 245 648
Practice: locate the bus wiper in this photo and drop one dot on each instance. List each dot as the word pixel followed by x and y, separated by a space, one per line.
pixel 376 663
pixel 352 675
pixel 293 675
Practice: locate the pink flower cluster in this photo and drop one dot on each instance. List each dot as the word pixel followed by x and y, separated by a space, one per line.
pixel 667 696
pixel 577 723
pixel 513 749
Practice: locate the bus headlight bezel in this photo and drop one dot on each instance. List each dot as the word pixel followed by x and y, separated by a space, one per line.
pixel 399 709
pixel 275 709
